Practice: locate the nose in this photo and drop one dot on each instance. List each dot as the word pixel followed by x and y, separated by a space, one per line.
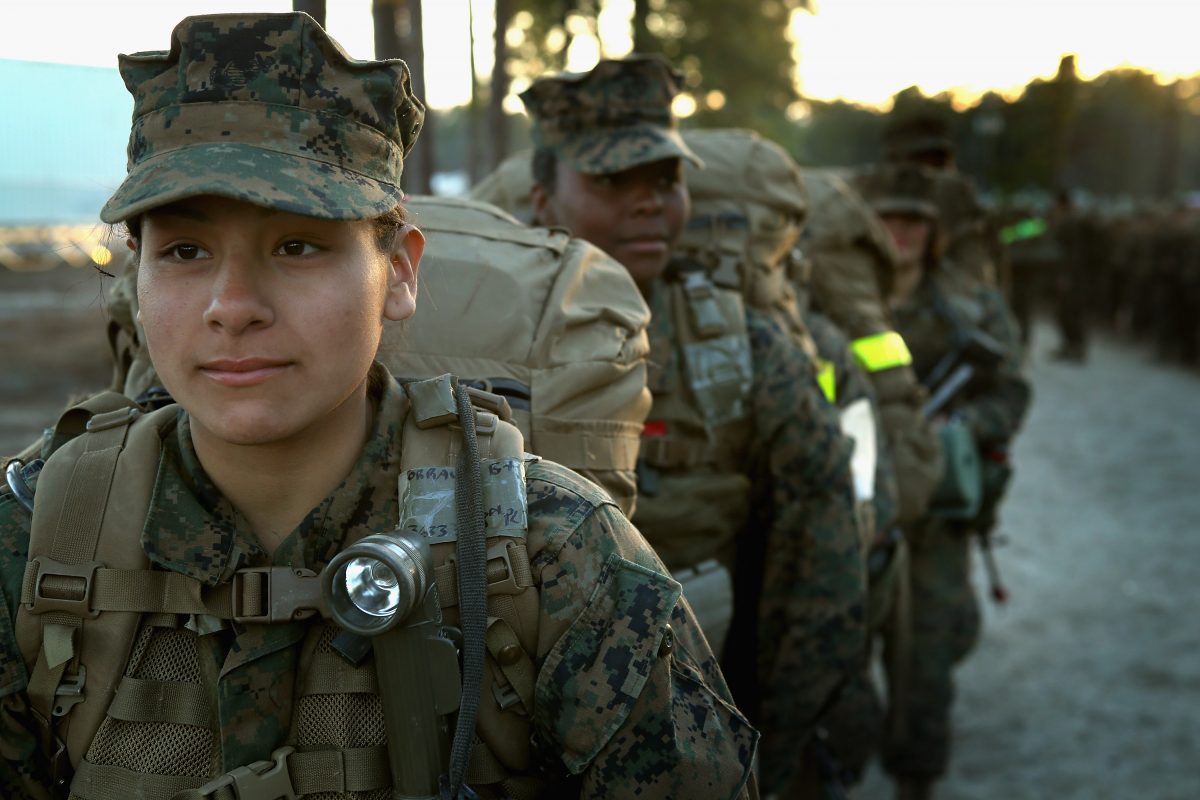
pixel 647 198
pixel 240 298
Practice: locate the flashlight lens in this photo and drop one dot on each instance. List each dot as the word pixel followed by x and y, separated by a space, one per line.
pixel 372 587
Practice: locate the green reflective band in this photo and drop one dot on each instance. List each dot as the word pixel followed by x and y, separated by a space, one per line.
pixel 827 380
pixel 1025 229
pixel 882 351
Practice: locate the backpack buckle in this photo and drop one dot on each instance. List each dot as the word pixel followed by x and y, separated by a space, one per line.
pixel 276 594
pixel 56 586
pixel 262 780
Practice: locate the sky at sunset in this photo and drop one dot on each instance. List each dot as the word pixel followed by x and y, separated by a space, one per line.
pixel 862 50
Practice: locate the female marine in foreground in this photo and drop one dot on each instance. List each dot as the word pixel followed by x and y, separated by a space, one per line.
pixel 161 636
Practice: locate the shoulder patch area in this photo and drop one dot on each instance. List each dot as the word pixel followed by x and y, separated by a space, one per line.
pixel 591 679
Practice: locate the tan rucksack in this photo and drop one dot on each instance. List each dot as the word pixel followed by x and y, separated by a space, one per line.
pixel 748 208
pixel 549 322
pixel 89 588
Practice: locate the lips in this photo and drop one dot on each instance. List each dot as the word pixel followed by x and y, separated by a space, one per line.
pixel 242 372
pixel 646 244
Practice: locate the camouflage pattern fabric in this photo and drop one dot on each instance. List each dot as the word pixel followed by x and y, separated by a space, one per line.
pixel 945 614
pixel 853 384
pixel 811 615
pixel 852 261
pixel 854 723
pixel 612 118
pixel 629 699
pixel 265 108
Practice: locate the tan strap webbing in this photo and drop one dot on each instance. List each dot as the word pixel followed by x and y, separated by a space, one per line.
pixel 667 453
pixel 176 702
pixel 356 769
pixel 329 673
pixel 106 782
pixel 514 662
pixel 484 768
pixel 59 632
pixel 508 571
pixel 255 594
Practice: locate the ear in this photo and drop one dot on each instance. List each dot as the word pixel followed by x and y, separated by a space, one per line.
pixel 543 207
pixel 405 261
pixel 131 243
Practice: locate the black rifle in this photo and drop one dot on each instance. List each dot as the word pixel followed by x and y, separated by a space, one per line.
pixel 974 354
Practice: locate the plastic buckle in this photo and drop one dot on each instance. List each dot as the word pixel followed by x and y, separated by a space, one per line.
pixel 290 594
pixel 47 568
pixel 506 696
pixel 262 780
pixel 69 692
pixel 508 584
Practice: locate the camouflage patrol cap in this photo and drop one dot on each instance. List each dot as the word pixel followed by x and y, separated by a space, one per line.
pixel 911 134
pixel 610 119
pixel 265 108
pixel 899 189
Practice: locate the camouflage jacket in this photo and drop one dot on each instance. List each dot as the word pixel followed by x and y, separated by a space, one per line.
pixel 993 406
pixel 851 384
pixel 810 625
pixel 623 705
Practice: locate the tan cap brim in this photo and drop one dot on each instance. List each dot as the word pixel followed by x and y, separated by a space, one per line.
pixel 614 150
pixel 256 175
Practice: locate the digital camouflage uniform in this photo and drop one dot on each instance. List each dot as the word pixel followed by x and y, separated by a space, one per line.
pixel 851 263
pixel 854 723
pixel 945 615
pixel 743 460
pixel 590 737
pixel 627 700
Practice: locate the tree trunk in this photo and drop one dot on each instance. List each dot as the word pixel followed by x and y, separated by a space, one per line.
pixel 398 35
pixel 474 157
pixel 496 118
pixel 314 8
pixel 643 42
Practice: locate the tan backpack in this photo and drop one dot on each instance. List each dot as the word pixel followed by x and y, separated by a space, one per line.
pixel 88 588
pixel 748 207
pixel 548 322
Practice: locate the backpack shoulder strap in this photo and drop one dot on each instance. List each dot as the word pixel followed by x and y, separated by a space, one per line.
pixel 433 439
pixel 91 503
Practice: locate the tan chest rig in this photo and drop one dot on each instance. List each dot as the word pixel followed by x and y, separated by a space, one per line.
pixel 693 490
pixel 122 682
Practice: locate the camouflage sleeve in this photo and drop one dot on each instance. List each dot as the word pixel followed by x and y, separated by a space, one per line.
pixel 18 743
pixel 995 411
pixel 811 629
pixel 853 384
pixel 629 700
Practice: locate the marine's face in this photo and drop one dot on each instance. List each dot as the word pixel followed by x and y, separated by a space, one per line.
pixel 910 233
pixel 636 216
pixel 263 324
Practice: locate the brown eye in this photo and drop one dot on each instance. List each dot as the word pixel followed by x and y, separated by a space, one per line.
pixel 187 252
pixel 296 247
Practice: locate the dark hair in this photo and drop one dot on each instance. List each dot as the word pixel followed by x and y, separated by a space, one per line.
pixel 386 225
pixel 545 168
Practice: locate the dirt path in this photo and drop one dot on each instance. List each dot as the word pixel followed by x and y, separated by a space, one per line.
pixel 1087 685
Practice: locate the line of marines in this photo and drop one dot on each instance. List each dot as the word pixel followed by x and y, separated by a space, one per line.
pixel 800 386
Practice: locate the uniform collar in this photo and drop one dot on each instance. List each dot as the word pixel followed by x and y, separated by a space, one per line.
pixel 193 529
